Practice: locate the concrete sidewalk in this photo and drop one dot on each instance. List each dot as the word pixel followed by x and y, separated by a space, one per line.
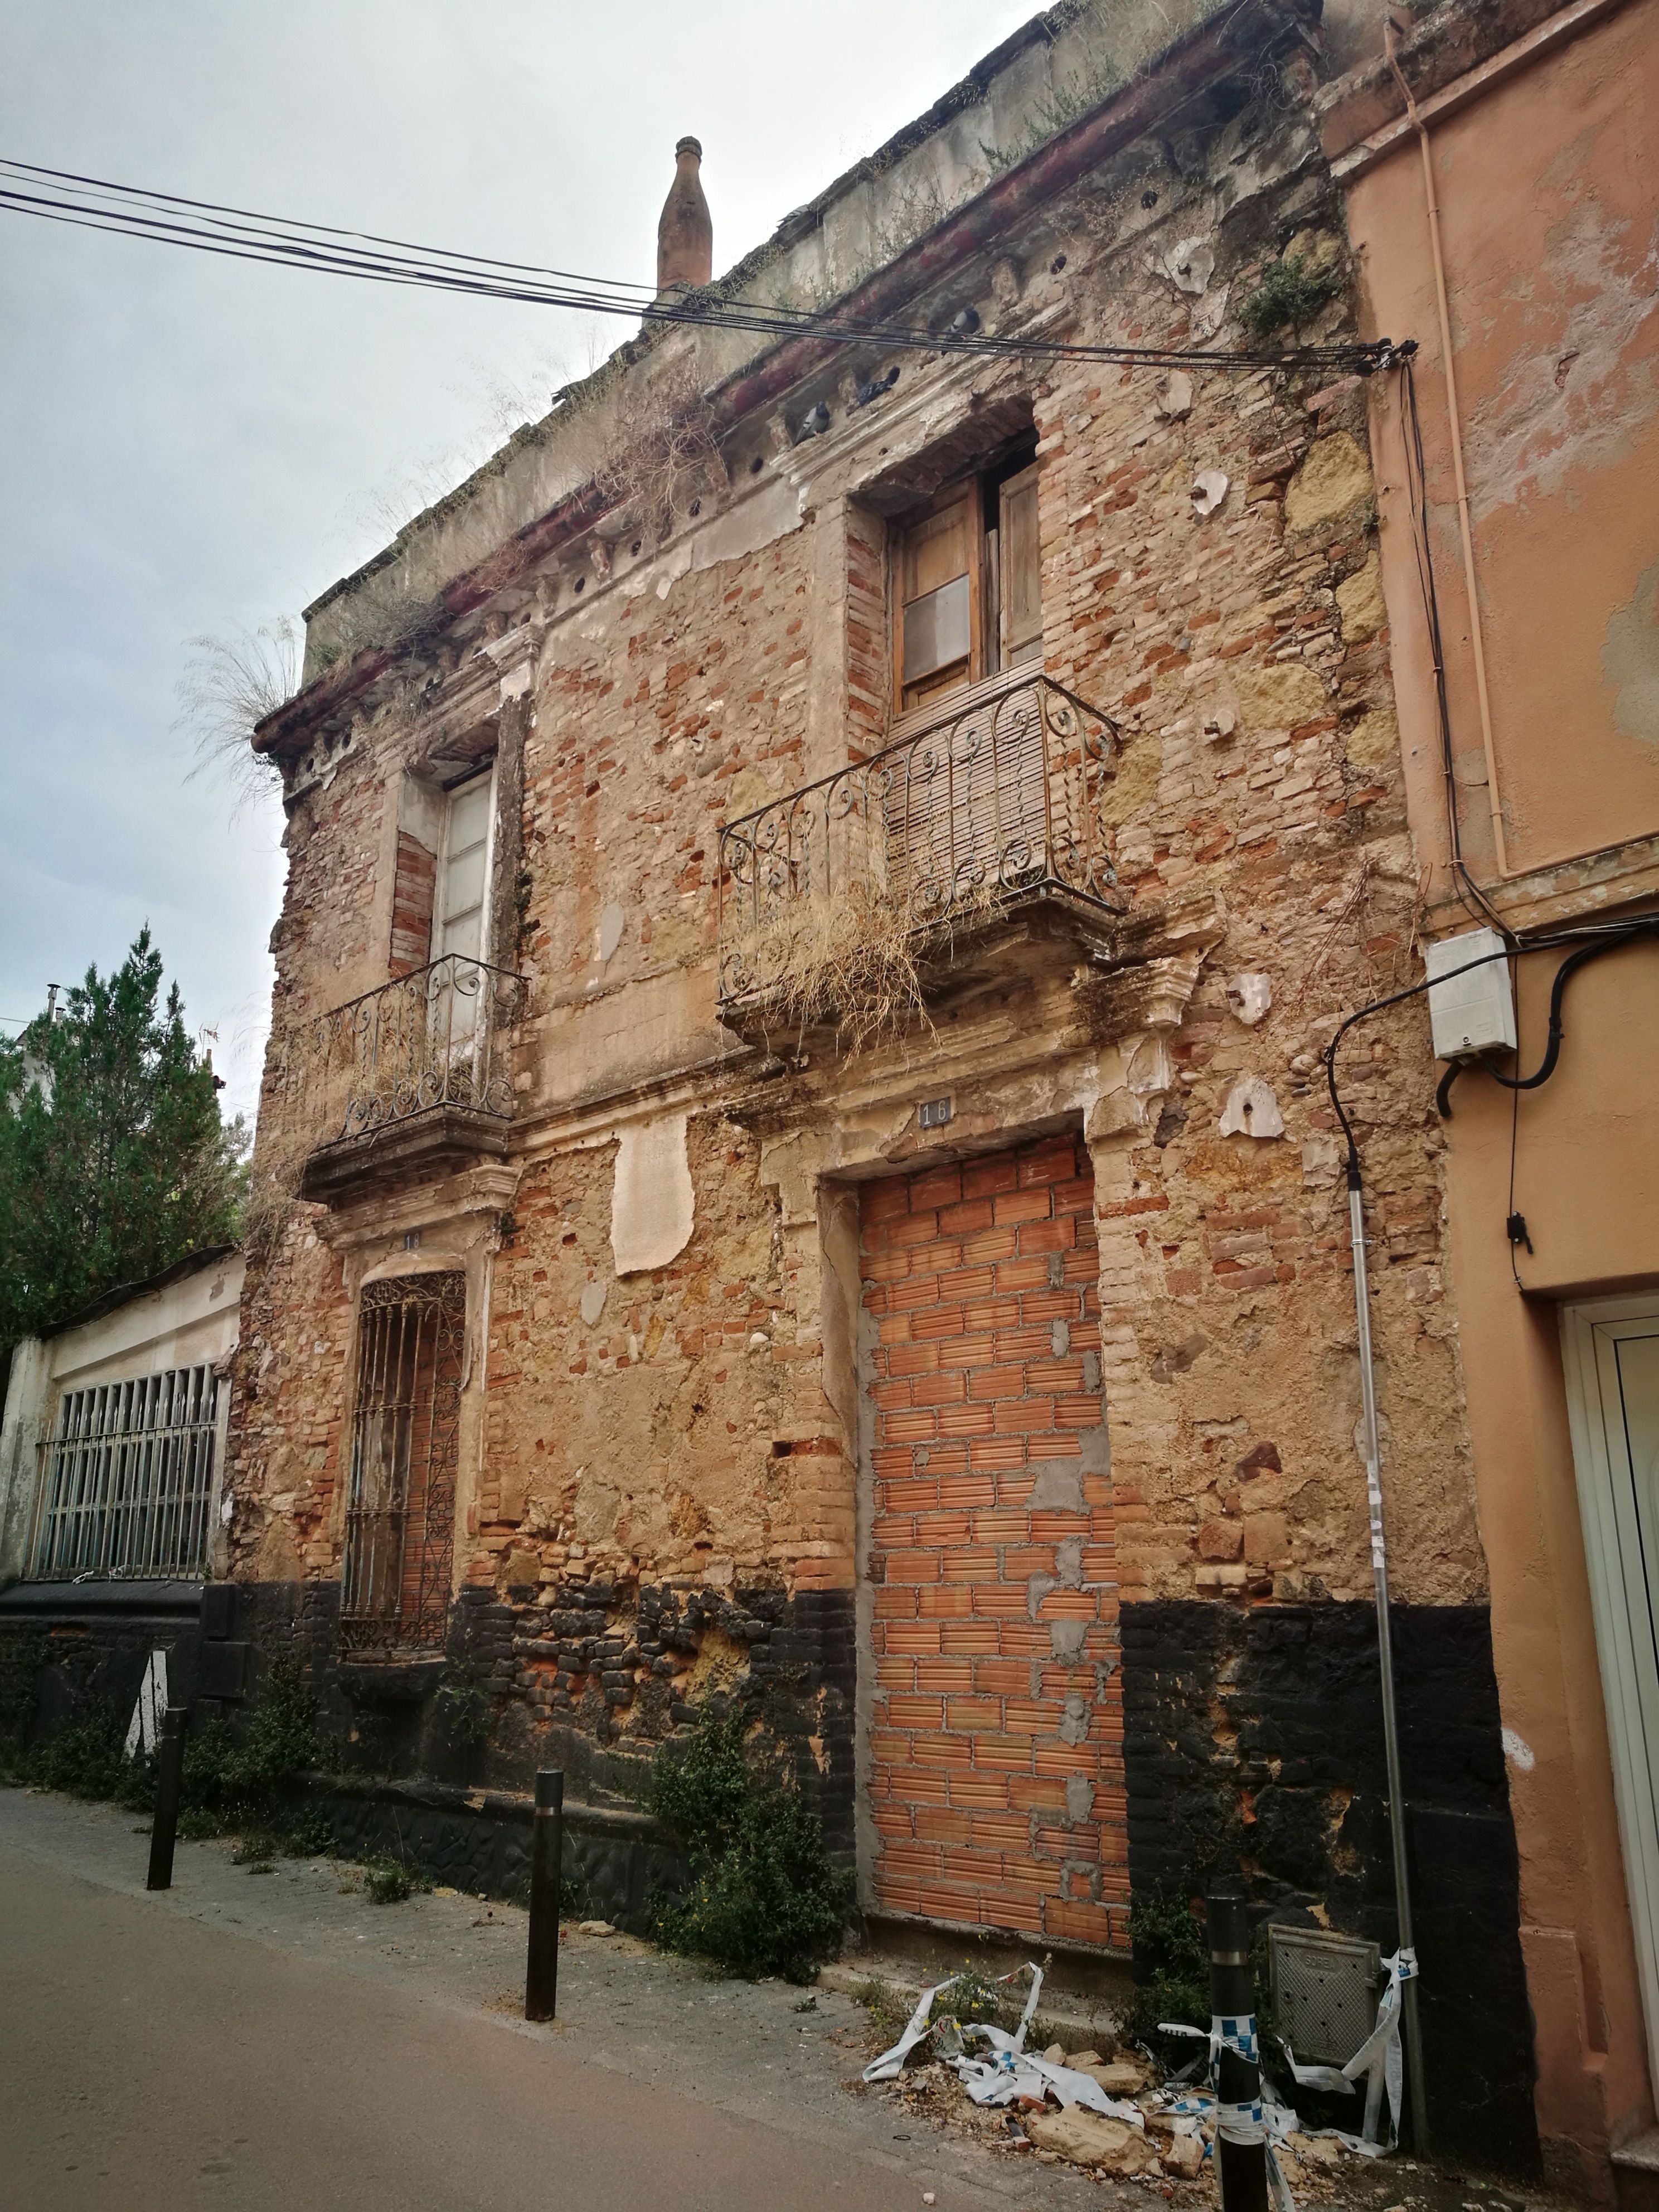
pixel 273 2039
pixel 252 2039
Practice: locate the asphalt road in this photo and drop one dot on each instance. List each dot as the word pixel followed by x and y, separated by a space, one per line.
pixel 152 2056
pixel 254 2039
pixel 146 2061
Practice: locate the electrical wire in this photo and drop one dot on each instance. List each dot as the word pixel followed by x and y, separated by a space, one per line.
pixel 1628 932
pixel 242 235
pixel 1511 1216
pixel 1364 1014
pixel 1584 945
pixel 247 218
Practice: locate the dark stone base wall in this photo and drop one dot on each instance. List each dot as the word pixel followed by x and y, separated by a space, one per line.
pixel 597 1676
pixel 614 1865
pixel 593 1681
pixel 63 1652
pixel 1253 1748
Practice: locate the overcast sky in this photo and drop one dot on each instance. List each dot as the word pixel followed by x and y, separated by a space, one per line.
pixel 192 444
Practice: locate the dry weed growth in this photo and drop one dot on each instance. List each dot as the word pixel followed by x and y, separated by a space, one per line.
pixel 229 684
pixel 853 961
pixel 661 443
pixel 272 1198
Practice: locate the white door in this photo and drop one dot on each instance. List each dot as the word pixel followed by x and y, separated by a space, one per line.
pixel 1612 1350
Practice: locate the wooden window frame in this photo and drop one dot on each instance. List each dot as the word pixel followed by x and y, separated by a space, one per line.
pixel 987 652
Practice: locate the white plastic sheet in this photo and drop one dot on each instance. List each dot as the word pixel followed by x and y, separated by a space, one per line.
pixel 1010 2072
pixel 1381 2050
pixel 145 1731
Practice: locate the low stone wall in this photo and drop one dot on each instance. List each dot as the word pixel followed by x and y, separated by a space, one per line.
pixel 66 1648
pixel 615 1864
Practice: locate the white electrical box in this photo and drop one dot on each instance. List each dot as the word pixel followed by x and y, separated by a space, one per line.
pixel 1475 1010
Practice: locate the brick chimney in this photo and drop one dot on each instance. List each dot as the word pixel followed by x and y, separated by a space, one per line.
pixel 685 233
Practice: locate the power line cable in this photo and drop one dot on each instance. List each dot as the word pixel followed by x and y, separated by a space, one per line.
pixel 237 233
pixel 246 217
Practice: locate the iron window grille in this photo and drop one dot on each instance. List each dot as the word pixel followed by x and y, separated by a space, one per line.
pixel 400 1512
pixel 127 1479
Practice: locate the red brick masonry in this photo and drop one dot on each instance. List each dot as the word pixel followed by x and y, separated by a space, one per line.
pixel 996 1739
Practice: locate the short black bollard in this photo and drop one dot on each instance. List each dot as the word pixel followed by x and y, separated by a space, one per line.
pixel 1241 2147
pixel 541 1980
pixel 169 1776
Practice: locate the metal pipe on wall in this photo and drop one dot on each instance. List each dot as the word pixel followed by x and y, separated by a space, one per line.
pixel 1361 1305
pixel 1454 429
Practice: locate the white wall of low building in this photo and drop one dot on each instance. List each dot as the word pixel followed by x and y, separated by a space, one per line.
pixel 183 1321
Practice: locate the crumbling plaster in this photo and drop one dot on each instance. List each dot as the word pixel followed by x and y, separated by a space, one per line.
pixel 1053 69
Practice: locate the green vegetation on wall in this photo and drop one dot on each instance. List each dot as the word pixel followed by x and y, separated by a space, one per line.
pixel 765 1896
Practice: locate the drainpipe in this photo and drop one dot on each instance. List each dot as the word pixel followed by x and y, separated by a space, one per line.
pixel 1362 1307
pixel 1476 641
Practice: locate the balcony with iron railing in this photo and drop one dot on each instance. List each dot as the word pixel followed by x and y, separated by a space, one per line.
pixel 409 1080
pixel 990 809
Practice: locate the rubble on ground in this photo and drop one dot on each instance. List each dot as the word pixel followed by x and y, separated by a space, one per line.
pixel 1109 2111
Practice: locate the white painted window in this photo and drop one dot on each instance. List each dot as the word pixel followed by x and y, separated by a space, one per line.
pixel 461 925
pixel 127 1478
pixel 462 902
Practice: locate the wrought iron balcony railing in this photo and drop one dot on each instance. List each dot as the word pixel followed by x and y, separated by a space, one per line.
pixel 429 1048
pixel 996 799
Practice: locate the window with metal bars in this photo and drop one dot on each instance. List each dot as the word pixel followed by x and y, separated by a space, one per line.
pixel 400 1509
pixel 126 1483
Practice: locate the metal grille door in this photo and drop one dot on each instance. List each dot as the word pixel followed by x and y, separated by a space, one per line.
pixel 400 1517
pixel 128 1478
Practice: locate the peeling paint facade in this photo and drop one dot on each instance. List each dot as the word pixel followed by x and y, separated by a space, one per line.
pixel 1540 143
pixel 980 1405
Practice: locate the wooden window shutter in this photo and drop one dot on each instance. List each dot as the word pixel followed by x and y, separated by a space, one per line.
pixel 1021 566
pixel 412 905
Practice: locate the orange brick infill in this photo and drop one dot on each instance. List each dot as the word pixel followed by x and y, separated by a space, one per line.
pixel 996 1765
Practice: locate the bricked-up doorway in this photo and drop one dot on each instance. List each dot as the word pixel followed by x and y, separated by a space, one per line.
pixel 996 1742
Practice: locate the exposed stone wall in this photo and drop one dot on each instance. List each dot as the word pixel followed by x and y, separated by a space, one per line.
pixel 1244 657
pixel 657 717
pixel 669 1425
pixel 660 1482
pixel 289 1410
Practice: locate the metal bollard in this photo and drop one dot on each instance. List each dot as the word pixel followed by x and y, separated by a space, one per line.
pixel 541 1980
pixel 1242 2167
pixel 169 1776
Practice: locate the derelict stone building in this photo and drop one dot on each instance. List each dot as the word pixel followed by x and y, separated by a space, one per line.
pixel 794 1159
